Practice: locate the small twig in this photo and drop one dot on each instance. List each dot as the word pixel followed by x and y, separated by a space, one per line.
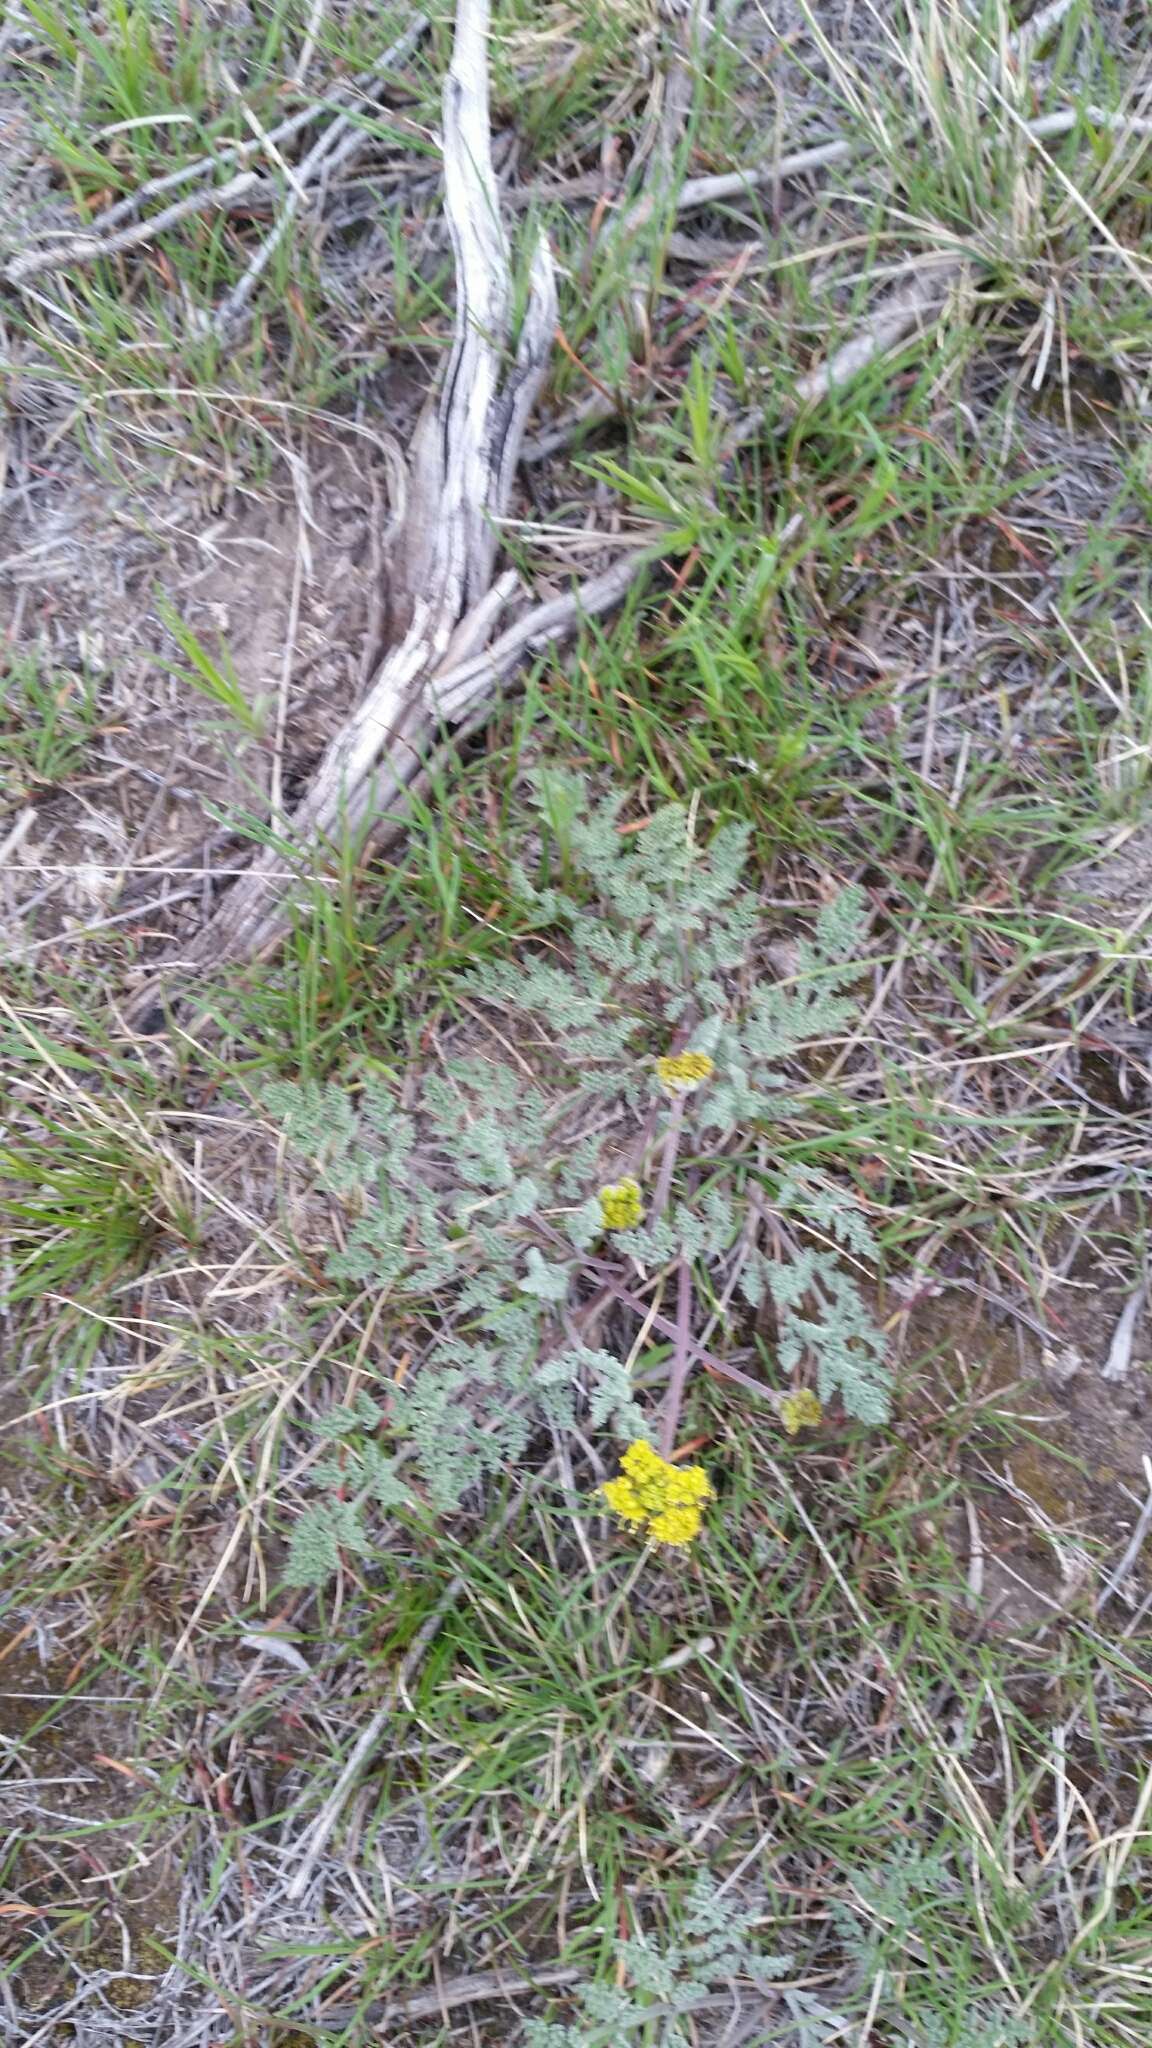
pixel 696 192
pixel 308 46
pixel 1033 31
pixel 316 1837
pixel 1115 1366
pixel 91 928
pixel 449 1992
pixel 12 26
pixel 15 836
pixel 912 308
pixel 288 658
pixel 93 248
pixel 457 1991
pixel 975 1554
pixel 915 305
pixel 315 165
pixel 1134 1546
pixel 276 810
pixel 1050 126
pixel 105 236
pixel 681 1361
pixel 270 147
pixel 594 411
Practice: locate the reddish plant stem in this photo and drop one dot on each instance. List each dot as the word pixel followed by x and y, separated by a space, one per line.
pixel 681 1361
pixel 668 1162
pixel 707 1359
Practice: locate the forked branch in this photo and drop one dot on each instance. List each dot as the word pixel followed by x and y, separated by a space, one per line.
pixel 461 462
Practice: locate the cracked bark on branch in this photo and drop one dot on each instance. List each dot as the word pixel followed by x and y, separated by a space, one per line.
pixel 461 463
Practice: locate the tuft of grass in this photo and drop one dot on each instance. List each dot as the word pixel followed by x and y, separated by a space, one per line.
pixel 90 1192
pixel 48 721
pixel 214 677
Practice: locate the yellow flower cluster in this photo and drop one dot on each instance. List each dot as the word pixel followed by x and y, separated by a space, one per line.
pixel 800 1410
pixel 681 1072
pixel 621 1206
pixel 666 1501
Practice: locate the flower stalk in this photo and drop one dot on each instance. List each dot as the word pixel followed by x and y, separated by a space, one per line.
pixel 681 1360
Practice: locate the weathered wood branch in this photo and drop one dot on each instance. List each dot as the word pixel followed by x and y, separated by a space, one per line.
pixel 461 462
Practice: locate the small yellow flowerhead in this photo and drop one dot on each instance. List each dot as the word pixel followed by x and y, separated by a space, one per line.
pixel 800 1410
pixel 667 1501
pixel 621 1206
pixel 682 1072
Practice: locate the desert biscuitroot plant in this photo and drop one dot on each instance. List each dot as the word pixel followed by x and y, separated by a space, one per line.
pixel 604 1138
pixel 668 1982
pixel 716 1961
pixel 716 1965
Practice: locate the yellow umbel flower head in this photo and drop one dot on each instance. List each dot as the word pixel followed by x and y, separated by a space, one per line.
pixel 682 1072
pixel 666 1501
pixel 800 1410
pixel 621 1206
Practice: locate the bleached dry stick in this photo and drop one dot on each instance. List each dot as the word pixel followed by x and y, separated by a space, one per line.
pixel 1132 1548
pixel 911 307
pixel 1115 1366
pixel 313 1843
pixel 115 229
pixel 1032 32
pixel 335 143
pixel 308 1848
pixel 462 460
pixel 311 38
pixel 426 682
pixel 92 248
pixel 710 191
